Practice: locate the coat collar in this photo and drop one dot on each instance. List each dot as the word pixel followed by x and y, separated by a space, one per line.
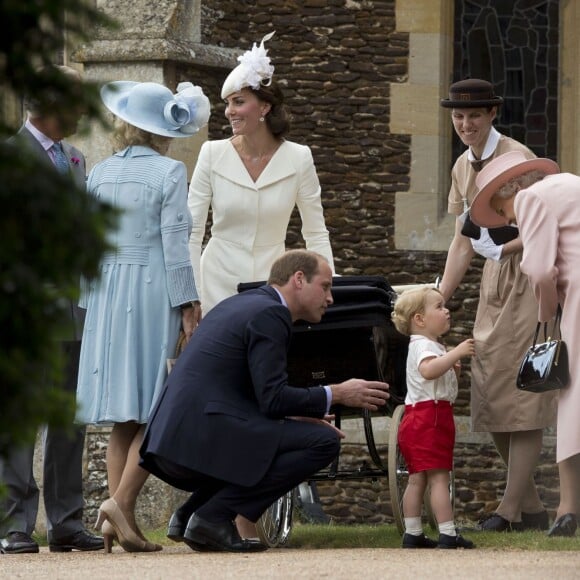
pixel 229 165
pixel 25 136
pixel 136 151
pixel 271 291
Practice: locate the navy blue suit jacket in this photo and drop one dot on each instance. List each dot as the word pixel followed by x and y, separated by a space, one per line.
pixel 221 411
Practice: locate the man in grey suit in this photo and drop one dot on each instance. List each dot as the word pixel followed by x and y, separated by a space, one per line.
pixel 42 135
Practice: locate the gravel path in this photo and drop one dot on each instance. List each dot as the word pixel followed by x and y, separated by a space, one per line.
pixel 180 562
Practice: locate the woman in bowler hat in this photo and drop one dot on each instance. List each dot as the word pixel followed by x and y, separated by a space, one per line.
pixel 506 315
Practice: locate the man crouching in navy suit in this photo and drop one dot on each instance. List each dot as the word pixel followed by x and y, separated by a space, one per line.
pixel 228 426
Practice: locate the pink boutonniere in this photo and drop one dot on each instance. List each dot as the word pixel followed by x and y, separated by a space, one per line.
pixel 75 160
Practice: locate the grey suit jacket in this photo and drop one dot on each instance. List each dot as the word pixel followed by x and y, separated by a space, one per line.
pixel 25 139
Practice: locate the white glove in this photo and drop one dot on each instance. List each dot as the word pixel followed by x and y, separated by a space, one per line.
pixel 486 247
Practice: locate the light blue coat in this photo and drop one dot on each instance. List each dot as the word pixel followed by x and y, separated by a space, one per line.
pixel 133 316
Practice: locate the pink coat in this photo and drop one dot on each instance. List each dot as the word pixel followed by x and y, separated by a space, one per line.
pixel 548 215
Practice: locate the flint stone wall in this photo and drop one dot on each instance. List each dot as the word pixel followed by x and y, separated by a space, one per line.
pixel 478 472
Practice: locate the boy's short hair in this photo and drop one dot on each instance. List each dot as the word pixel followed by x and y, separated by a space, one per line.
pixel 409 303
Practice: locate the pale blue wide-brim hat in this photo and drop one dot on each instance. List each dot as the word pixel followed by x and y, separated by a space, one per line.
pixel 154 108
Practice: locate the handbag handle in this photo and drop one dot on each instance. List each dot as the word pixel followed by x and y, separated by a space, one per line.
pixel 556 326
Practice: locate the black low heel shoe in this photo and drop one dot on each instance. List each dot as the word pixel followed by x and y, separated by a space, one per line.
pixel 564 526
pixel 496 523
pixel 536 521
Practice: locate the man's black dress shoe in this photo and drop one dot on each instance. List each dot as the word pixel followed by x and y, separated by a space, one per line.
pixel 536 521
pixel 81 540
pixel 564 526
pixel 205 536
pixel 496 523
pixel 176 526
pixel 18 543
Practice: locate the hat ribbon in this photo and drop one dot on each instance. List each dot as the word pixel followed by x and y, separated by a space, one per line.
pixel 189 109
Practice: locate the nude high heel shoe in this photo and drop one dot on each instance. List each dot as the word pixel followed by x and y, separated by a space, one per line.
pixel 109 536
pixel 126 536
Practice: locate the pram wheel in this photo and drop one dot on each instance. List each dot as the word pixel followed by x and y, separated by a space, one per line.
pixel 398 473
pixel 275 525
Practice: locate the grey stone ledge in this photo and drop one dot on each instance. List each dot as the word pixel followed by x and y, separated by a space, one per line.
pixel 354 431
pixel 156 49
pixel 353 428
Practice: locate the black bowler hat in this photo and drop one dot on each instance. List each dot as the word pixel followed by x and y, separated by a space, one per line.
pixel 471 94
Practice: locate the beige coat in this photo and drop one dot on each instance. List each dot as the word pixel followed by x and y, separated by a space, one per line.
pixel 250 219
pixel 548 214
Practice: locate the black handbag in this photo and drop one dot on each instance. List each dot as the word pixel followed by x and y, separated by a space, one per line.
pixel 545 365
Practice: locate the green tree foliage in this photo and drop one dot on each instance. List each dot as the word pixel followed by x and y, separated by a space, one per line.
pixel 32 32
pixel 52 232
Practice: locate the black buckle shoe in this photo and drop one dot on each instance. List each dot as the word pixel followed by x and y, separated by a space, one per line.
pixel 82 541
pixel 453 542
pixel 201 535
pixel 422 541
pixel 18 543
pixel 564 526
pixel 496 523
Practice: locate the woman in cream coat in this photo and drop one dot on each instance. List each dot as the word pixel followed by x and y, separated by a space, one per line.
pixel 250 218
pixel 252 182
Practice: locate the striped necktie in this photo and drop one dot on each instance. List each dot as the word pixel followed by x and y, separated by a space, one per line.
pixel 60 160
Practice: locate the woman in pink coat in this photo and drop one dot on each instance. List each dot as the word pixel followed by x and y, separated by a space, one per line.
pixel 545 204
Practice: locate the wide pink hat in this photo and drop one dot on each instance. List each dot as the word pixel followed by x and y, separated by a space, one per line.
pixel 496 174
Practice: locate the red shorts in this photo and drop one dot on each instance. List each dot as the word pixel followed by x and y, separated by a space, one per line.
pixel 427 436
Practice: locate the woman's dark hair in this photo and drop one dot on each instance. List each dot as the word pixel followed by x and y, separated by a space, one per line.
pixel 278 119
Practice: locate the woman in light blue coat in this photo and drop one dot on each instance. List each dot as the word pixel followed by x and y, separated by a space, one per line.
pixel 146 290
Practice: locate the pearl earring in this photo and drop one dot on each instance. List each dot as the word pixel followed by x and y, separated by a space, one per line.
pixel 261 119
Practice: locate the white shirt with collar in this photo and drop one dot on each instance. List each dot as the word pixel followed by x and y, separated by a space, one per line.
pixel 490 146
pixel 45 142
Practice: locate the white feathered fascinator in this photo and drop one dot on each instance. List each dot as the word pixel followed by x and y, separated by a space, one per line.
pixel 253 71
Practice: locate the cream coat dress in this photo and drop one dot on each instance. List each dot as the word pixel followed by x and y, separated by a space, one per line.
pixel 548 215
pixel 250 219
pixel 504 327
